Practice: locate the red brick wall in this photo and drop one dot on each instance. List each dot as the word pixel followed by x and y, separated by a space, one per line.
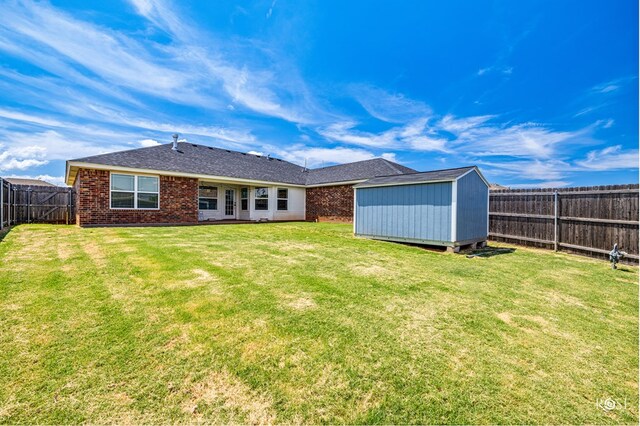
pixel 178 201
pixel 330 203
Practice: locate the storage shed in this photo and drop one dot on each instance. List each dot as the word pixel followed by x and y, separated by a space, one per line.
pixel 442 207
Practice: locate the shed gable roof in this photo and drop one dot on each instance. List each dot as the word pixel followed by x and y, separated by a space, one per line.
pixel 421 177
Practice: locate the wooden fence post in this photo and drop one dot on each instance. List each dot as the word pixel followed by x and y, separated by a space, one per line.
pixel 555 221
pixel 68 205
pixel 1 204
pixel 29 205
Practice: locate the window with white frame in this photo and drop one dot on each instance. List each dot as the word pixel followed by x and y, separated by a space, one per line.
pixel 207 197
pixel 283 199
pixel 244 199
pixel 134 192
pixel 262 198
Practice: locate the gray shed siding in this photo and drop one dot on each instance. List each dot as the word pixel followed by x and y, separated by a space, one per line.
pixel 472 217
pixel 406 212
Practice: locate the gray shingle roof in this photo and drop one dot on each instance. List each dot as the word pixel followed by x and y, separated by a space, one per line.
pixel 356 171
pixel 201 159
pixel 420 177
pixel 25 181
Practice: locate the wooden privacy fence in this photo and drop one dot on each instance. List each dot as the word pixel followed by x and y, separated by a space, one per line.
pixel 35 204
pixel 585 220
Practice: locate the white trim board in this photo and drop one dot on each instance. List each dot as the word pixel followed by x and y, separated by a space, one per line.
pixel 454 210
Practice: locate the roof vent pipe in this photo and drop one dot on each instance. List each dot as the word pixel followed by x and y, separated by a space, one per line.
pixel 175 142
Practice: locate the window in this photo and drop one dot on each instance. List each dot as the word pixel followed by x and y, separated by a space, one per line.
pixel 262 199
pixel 207 197
pixel 134 192
pixel 244 199
pixel 283 199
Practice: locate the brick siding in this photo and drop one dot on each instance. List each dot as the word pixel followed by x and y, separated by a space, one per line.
pixel 178 201
pixel 330 203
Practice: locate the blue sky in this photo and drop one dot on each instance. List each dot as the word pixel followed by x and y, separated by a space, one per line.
pixel 537 93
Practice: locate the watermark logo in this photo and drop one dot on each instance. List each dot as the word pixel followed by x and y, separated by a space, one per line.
pixel 610 404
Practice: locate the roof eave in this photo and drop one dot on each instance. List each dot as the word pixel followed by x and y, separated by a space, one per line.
pixel 96 166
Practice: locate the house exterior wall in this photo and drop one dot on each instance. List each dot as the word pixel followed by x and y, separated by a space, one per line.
pixel 413 213
pixel 295 205
pixel 178 201
pixel 330 203
pixel 472 208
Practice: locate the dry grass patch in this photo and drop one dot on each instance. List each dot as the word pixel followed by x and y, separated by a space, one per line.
pixel 240 403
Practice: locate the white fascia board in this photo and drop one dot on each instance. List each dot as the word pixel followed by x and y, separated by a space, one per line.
pixel 178 174
pixel 454 211
pixel 479 174
pixel 66 173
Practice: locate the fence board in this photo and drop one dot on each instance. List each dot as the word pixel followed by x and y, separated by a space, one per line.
pixel 590 220
pixel 36 204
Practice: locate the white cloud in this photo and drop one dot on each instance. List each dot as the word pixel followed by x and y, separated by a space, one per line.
pixel 270 11
pixel 116 58
pixel 148 142
pixel 610 158
pixel 455 125
pixel 276 90
pixel 318 157
pixel 521 140
pixel 389 107
pixel 529 169
pixel 16 164
pixel 413 136
pixel 21 157
pixel 255 153
pixel 51 145
pixel 391 156
pixel 503 70
pixel 542 184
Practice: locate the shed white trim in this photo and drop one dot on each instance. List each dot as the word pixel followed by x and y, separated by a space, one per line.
pixel 454 210
pixel 355 205
pixel 477 170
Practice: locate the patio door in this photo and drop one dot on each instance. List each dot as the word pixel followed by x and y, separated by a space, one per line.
pixel 230 203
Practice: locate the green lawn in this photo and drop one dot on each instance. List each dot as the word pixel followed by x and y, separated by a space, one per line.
pixel 303 323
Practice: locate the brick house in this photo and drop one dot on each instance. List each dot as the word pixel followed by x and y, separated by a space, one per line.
pixel 183 183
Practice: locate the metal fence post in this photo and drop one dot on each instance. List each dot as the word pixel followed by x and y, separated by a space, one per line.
pixel 555 221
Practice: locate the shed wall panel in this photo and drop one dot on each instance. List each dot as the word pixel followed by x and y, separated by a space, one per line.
pixel 473 196
pixel 421 212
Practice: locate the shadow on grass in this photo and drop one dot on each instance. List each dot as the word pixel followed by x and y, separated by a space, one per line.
pixel 490 252
pixel 4 233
